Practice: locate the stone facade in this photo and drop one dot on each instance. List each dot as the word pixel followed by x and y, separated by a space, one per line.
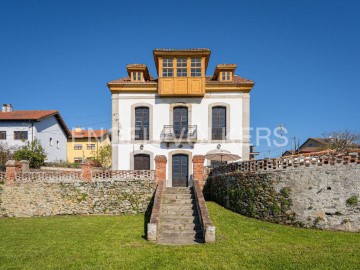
pixel 325 197
pixel 111 197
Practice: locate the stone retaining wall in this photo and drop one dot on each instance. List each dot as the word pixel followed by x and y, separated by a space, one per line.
pixel 325 197
pixel 41 198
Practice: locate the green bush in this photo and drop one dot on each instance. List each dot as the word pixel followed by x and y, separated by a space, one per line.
pixel 33 152
pixel 352 200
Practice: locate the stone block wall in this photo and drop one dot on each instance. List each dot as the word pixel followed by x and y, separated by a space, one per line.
pixel 325 197
pixel 41 198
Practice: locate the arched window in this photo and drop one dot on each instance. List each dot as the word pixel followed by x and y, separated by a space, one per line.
pixel 142 162
pixel 218 129
pixel 142 123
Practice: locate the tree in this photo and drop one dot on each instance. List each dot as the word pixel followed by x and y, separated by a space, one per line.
pixel 33 152
pixel 341 141
pixel 6 153
pixel 103 156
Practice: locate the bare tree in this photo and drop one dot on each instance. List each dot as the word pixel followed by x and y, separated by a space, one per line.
pixel 341 140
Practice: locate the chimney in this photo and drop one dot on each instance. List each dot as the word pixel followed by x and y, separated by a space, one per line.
pixel 9 108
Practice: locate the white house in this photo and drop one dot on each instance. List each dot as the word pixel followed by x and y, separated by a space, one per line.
pixel 17 127
pixel 180 114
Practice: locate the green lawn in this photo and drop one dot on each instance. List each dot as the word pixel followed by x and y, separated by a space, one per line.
pixel 116 242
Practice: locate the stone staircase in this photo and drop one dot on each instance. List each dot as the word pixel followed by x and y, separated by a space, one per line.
pixel 180 221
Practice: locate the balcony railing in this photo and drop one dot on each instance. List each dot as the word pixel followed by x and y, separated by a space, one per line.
pixel 172 133
pixel 218 133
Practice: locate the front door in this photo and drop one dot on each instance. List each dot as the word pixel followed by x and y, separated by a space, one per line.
pixel 180 122
pixel 180 170
pixel 141 162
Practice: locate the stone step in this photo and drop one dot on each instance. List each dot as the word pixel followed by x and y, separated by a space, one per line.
pixel 178 196
pixel 178 190
pixel 177 207
pixel 179 226
pixel 180 219
pixel 178 212
pixel 167 200
pixel 179 234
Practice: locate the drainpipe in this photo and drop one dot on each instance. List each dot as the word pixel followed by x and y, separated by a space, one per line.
pixel 32 131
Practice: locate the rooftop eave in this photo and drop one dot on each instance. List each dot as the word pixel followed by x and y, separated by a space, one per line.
pixel 133 87
pixel 245 87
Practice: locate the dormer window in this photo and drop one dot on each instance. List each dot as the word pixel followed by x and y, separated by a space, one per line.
pixel 168 67
pixel 136 76
pixel 196 67
pixel 226 76
pixel 181 67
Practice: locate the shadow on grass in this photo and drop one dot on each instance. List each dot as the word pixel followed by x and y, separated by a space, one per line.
pixel 147 215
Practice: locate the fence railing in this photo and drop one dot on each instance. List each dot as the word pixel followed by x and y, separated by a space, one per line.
pixel 173 133
pixel 283 163
pixel 123 174
pixel 61 176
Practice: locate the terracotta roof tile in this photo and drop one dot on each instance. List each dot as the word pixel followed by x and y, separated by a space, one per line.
pixel 128 80
pixel 236 79
pixel 89 133
pixel 26 115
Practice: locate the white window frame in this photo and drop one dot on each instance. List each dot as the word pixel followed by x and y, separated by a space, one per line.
pixel 168 67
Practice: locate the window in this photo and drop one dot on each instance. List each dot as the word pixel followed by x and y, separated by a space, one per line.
pixel 20 135
pixel 225 76
pixel 90 146
pixel 142 124
pixel 218 123
pixel 181 67
pixel 77 160
pixel 2 135
pixel 136 75
pixel 78 147
pixel 57 144
pixel 167 67
pixel 196 67
pixel 51 142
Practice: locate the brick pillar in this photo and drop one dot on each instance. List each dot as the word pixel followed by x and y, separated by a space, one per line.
pixel 12 168
pixel 160 168
pixel 86 168
pixel 198 169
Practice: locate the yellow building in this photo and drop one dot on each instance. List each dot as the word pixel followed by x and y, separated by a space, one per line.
pixel 85 144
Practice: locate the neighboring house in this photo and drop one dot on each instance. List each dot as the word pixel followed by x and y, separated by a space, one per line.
pixel 85 144
pixel 18 127
pixel 309 146
pixel 180 114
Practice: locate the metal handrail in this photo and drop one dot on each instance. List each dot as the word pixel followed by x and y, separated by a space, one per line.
pixel 171 132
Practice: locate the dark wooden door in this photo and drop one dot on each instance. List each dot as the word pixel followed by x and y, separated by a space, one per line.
pixel 180 170
pixel 141 162
pixel 180 118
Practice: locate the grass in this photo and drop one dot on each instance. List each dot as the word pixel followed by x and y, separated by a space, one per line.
pixel 116 242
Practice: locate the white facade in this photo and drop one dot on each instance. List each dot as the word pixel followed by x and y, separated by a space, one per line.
pixel 48 131
pixel 199 113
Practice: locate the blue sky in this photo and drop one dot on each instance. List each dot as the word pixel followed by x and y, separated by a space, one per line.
pixel 303 55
